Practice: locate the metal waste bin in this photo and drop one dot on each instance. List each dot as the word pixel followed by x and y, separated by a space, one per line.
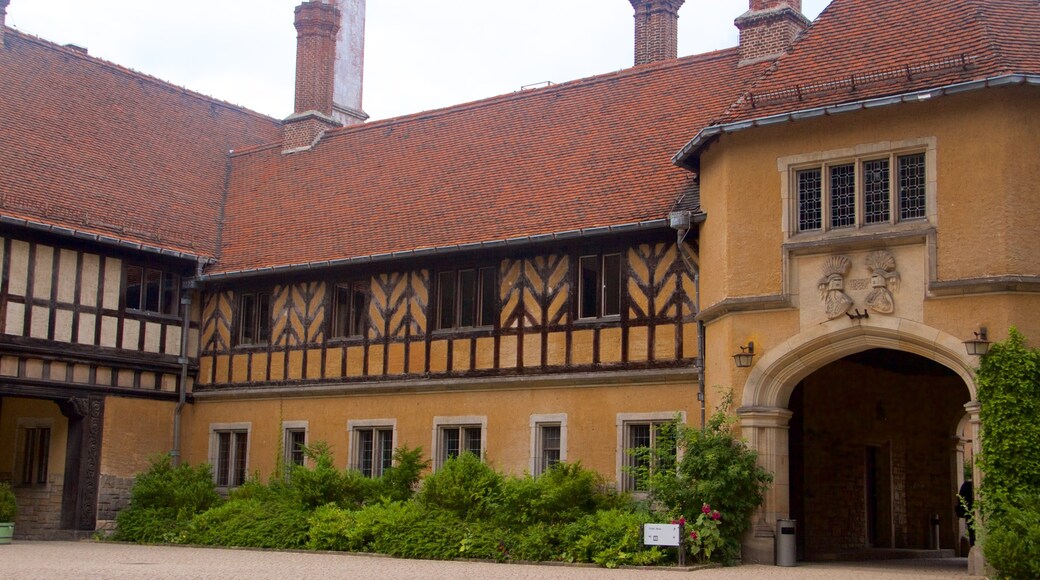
pixel 786 546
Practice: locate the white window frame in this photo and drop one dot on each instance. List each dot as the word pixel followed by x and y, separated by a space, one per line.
pixel 622 423
pixel 536 423
pixel 215 429
pixel 353 441
pixel 789 167
pixel 459 421
pixel 288 426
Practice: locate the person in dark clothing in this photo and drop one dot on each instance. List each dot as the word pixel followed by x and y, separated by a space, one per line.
pixel 965 507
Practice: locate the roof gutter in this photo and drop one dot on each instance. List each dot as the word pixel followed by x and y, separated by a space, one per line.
pixel 99 238
pixel 706 136
pixel 523 241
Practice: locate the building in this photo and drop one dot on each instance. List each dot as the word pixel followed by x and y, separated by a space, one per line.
pixel 536 277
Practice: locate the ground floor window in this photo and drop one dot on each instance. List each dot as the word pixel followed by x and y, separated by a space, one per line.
pixel 548 441
pixel 294 443
pixel 454 436
pixel 229 454
pixel 373 450
pixel 35 455
pixel 647 445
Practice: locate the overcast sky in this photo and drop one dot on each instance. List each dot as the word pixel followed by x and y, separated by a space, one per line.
pixel 419 54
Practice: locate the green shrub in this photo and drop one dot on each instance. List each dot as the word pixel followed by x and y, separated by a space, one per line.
pixel 562 494
pixel 163 500
pixel 398 482
pixel 250 523
pixel 610 538
pixel 8 503
pixel 1012 539
pixel 464 486
pixel 335 529
pixel 324 484
pixel 717 469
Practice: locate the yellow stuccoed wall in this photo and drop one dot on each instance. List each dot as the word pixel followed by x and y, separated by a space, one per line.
pixel 986 215
pixel 986 219
pixel 591 420
pixel 135 429
pixel 15 409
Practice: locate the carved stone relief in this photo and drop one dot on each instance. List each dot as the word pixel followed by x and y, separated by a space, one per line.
pixel 883 279
pixel 832 286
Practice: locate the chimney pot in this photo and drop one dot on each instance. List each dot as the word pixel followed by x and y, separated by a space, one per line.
pixel 768 28
pixel 316 26
pixel 657 29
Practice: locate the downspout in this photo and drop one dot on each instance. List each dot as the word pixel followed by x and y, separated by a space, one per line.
pixel 681 222
pixel 182 400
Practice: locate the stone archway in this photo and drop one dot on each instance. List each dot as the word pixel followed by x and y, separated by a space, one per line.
pixel 765 414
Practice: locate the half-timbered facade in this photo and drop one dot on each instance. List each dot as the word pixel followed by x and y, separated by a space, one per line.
pixel 537 277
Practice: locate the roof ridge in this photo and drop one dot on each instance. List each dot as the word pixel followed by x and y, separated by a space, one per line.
pixel 639 70
pixel 118 68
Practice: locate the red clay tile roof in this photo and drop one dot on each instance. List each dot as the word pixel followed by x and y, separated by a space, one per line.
pixel 860 49
pixel 589 153
pixel 91 146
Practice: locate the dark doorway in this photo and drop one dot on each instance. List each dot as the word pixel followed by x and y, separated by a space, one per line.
pixel 871 453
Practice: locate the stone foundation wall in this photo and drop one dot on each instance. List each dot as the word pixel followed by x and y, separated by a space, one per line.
pixel 113 496
pixel 39 509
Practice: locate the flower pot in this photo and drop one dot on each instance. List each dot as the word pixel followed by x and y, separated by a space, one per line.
pixel 6 532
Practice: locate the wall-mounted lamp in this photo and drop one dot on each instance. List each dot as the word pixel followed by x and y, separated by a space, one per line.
pixel 743 358
pixel 979 345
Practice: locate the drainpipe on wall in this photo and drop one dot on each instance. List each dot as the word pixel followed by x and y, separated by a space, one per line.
pixel 175 453
pixel 681 221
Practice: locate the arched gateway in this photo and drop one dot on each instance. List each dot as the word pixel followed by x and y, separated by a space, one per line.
pixel 862 427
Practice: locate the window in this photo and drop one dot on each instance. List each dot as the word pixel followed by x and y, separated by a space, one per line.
pixel 351 304
pixel 466 298
pixel 229 450
pixel 373 450
pixel 151 290
pixel 36 449
pixel 548 441
pixel 295 440
pixel 861 192
pixel 647 444
pixel 254 318
pixel 599 286
pixel 454 436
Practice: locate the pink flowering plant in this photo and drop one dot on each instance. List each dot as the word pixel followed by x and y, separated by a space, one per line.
pixel 703 536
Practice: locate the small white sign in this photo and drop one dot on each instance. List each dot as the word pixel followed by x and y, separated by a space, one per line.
pixel 661 534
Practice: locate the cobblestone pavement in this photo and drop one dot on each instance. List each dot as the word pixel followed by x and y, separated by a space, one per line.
pixel 81 560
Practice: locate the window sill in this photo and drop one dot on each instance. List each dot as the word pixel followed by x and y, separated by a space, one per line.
pixel 863 236
pixel 613 318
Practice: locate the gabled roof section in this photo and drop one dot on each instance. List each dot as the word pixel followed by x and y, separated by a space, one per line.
pixel 862 50
pixel 95 150
pixel 587 155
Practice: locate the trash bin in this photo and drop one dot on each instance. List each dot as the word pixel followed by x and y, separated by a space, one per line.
pixel 786 546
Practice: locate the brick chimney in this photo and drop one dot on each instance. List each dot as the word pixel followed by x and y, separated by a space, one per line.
pixel 350 63
pixel 3 19
pixel 768 28
pixel 316 26
pixel 657 27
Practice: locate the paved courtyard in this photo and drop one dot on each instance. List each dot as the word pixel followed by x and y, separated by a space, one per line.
pixel 67 560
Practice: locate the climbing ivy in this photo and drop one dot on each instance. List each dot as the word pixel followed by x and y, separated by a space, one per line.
pixel 1009 394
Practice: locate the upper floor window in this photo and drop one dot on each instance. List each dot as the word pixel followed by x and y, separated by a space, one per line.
pixel 466 298
pixel 599 286
pixel 254 318
pixel 859 192
pixel 348 311
pixel 151 290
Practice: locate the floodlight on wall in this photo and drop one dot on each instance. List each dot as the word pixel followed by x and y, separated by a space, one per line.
pixel 743 358
pixel 979 345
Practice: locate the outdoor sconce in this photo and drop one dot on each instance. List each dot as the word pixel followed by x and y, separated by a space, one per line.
pixel 743 358
pixel 979 345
